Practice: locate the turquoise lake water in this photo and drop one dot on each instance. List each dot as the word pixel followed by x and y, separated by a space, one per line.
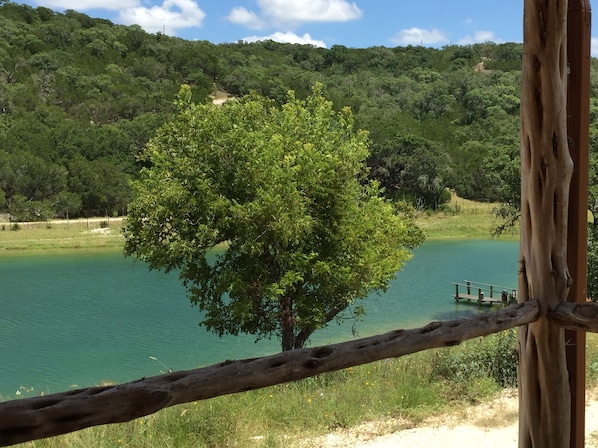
pixel 79 319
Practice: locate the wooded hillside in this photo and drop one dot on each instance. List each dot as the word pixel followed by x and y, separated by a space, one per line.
pixel 79 98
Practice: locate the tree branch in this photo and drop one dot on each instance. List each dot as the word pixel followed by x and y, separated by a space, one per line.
pixel 34 418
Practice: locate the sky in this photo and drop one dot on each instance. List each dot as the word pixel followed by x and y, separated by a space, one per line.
pixel 323 23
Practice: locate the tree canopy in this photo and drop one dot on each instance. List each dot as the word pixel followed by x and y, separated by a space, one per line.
pixel 267 215
pixel 82 95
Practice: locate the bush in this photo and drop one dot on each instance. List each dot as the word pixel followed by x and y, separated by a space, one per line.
pixel 490 357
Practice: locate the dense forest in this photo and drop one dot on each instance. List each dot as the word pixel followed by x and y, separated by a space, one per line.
pixel 80 97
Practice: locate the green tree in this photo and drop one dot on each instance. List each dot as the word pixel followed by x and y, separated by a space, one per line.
pixel 67 204
pixel 101 185
pixel 412 167
pixel 266 214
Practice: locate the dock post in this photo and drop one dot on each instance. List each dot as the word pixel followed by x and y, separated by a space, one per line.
pixel 456 292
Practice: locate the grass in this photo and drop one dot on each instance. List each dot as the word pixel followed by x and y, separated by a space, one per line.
pixel 97 233
pixel 462 218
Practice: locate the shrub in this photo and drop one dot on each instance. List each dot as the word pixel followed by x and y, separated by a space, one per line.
pixel 490 357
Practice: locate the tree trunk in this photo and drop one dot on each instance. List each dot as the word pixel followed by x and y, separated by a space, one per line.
pixel 546 168
pixel 287 324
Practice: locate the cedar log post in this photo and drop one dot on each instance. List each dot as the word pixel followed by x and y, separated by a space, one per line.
pixel 546 169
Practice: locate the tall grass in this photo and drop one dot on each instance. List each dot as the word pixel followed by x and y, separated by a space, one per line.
pixel 402 391
pixel 60 235
pixel 462 218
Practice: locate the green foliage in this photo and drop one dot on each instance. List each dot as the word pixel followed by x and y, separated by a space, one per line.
pixel 412 167
pixel 73 86
pixel 284 190
pixel 491 357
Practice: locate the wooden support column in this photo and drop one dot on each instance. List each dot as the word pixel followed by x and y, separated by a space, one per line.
pixel 578 118
pixel 546 169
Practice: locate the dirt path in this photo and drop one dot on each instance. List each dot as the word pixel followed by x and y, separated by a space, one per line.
pixel 489 425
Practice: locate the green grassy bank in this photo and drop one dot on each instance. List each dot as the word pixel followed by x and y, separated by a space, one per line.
pixel 96 233
pixel 461 218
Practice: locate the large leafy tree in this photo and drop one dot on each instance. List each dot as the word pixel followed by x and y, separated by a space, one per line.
pixel 266 214
pixel 412 167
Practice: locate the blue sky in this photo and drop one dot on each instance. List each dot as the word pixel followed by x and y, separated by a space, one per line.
pixel 358 23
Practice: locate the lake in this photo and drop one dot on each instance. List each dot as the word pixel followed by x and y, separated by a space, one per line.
pixel 79 319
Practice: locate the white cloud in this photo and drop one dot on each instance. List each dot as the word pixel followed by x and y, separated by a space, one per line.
pixel 288 38
pixel 594 47
pixel 478 37
pixel 242 16
pixel 420 36
pixel 170 16
pixel 295 12
pixel 310 10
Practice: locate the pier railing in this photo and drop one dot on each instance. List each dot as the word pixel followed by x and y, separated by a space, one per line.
pixel 484 293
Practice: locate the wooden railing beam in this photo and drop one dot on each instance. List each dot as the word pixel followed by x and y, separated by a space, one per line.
pixel 38 417
pixel 576 316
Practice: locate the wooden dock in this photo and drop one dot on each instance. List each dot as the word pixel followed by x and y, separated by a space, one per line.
pixel 484 294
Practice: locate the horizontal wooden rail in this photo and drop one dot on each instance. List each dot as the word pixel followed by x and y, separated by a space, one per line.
pixel 474 283
pixel 34 418
pixel 576 316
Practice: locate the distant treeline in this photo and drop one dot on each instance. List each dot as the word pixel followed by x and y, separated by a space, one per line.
pixel 79 98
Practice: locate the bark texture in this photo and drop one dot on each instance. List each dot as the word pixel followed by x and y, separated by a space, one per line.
pixel 546 169
pixel 35 418
pixel 576 316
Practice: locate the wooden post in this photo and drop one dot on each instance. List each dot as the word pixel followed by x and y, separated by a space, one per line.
pixel 546 169
pixel 578 119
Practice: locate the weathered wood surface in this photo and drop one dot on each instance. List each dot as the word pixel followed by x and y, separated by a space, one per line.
pixel 546 168
pixel 579 24
pixel 576 316
pixel 35 418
